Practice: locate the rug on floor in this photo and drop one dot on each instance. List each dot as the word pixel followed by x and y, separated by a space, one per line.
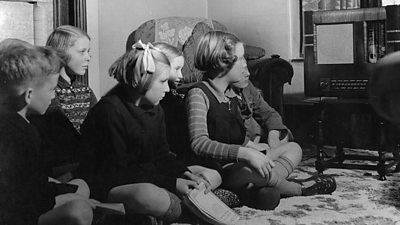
pixel 360 198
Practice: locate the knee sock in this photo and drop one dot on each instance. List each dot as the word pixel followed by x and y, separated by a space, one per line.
pixel 283 167
pixel 174 211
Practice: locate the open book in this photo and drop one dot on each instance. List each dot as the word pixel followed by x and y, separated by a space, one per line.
pixel 209 207
pixel 110 208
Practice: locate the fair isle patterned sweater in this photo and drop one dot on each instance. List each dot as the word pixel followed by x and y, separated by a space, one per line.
pixel 59 127
pixel 75 100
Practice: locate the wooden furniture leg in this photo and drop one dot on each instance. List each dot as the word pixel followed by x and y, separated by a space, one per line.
pixel 320 154
pixel 381 167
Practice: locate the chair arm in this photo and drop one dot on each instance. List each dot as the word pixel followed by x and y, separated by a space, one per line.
pixel 269 75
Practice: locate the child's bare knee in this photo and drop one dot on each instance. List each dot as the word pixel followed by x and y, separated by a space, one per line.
pixel 79 212
pixel 295 148
pixel 150 196
pixel 298 149
pixel 141 198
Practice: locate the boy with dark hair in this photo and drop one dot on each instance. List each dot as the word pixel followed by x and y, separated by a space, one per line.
pixel 28 76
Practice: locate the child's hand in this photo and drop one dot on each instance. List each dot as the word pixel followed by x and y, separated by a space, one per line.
pixel 258 146
pixel 261 147
pixel 183 186
pixel 199 179
pixel 258 161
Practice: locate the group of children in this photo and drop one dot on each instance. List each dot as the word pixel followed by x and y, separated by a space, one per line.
pixel 53 130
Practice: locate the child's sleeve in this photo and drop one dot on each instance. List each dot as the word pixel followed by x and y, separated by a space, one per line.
pixel 104 130
pixel 201 143
pixel 164 157
pixel 263 113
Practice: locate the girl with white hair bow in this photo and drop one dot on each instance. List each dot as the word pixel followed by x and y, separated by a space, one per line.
pixel 128 157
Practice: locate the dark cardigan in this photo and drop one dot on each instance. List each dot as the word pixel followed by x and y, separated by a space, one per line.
pixel 25 193
pixel 126 144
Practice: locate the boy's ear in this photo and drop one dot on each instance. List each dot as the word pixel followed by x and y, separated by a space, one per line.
pixel 28 95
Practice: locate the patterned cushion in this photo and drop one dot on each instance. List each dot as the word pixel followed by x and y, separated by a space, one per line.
pixel 176 30
pixel 190 73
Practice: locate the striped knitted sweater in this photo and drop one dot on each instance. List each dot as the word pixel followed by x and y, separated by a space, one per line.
pixel 198 104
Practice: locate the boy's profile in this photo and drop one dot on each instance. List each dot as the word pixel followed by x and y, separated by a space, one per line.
pixel 28 76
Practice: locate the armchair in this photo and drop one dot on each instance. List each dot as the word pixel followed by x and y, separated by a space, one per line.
pixel 267 74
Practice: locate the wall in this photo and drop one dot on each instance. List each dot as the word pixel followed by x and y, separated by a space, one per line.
pixel 93 31
pixel 272 25
pixel 117 18
pixel 26 21
pixel 257 22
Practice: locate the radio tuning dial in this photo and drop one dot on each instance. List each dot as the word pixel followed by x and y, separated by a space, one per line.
pixel 323 84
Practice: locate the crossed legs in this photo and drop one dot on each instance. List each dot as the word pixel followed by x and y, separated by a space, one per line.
pixel 286 157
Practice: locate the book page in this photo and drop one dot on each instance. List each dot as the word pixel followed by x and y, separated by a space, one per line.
pixel 212 207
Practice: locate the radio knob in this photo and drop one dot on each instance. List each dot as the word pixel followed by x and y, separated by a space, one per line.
pixel 323 85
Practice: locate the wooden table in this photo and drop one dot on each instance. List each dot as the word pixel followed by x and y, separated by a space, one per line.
pixel 343 107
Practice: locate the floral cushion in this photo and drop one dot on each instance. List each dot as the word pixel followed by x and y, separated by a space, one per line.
pixel 176 30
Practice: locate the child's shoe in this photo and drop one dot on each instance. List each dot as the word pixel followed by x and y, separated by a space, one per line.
pixel 324 184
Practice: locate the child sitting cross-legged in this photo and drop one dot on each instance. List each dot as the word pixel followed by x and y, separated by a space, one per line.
pixel 218 133
pixel 28 76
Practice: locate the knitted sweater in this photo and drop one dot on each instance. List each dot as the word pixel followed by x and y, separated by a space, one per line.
pixel 75 100
pixel 126 144
pixel 59 126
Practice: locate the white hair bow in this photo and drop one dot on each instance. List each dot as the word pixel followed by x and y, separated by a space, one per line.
pixel 148 61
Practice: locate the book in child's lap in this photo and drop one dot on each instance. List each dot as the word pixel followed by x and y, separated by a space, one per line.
pixel 209 207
